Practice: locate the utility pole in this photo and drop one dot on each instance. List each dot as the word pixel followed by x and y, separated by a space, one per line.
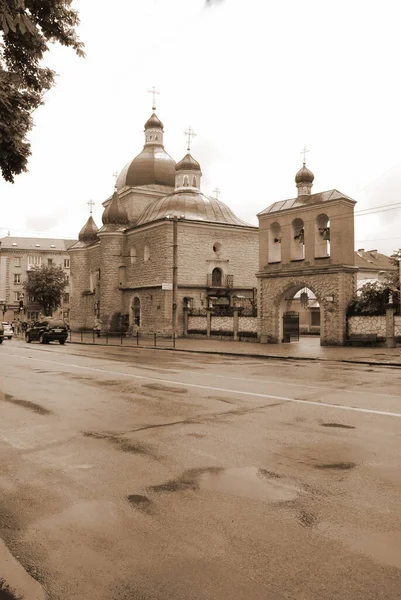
pixel 175 275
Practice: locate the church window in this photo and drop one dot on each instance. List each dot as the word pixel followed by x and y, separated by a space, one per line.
pixel 216 247
pixel 136 310
pixel 322 236
pixel 274 249
pixel 122 276
pixel 217 277
pixel 194 181
pixel 133 255
pixel 151 137
pixel 156 137
pixel 297 240
pixel 146 253
pixel 186 181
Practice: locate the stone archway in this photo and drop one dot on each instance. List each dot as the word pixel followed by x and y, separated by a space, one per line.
pixel 333 291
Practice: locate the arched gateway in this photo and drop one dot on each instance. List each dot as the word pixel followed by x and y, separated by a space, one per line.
pixel 307 242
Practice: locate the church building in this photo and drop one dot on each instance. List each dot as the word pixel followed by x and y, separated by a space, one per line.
pixel 163 246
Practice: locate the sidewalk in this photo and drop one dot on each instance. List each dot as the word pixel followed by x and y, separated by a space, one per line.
pixel 308 348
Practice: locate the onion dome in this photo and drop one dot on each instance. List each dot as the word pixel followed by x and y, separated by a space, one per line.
pixel 89 231
pixel 304 175
pixel 114 214
pixel 152 122
pixel 188 163
pixel 153 166
pixel 191 205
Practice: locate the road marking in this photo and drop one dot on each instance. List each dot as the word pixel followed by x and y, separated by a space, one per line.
pixel 216 389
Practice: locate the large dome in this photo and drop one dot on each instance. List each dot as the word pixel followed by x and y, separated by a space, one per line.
pixel 152 166
pixel 190 205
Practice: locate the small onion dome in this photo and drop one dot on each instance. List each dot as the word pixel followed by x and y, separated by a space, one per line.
pixel 188 164
pixel 89 231
pixel 304 175
pixel 114 214
pixel 153 121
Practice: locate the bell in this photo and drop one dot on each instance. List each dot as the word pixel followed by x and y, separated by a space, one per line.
pixel 326 234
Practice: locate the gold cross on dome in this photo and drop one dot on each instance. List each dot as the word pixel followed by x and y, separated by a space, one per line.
pixel 190 133
pixel 91 204
pixel 216 193
pixel 154 93
pixel 304 152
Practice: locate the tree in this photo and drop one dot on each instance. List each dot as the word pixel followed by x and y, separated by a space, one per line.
pixel 27 27
pixel 393 278
pixel 46 285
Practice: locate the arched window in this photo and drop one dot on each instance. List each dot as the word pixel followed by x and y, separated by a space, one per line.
pixel 146 253
pixel 322 236
pixel 186 181
pixel 136 309
pixel 297 240
pixel 274 243
pixel 194 181
pixel 217 277
pixel 132 254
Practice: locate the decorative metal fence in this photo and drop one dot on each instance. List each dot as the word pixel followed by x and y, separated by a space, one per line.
pixel 117 338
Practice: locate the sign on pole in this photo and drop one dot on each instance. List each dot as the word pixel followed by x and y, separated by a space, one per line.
pixel 167 286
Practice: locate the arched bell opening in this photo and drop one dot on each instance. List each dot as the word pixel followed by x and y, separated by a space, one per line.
pixel 274 243
pixel 322 236
pixel 297 240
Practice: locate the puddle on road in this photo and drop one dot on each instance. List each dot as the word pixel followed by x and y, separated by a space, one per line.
pixel 245 482
pixel 140 502
pixel 340 425
pixel 248 482
pixel 341 466
pixel 165 388
pixel 32 406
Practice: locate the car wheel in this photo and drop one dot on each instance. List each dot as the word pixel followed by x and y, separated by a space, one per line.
pixel 28 339
pixel 62 342
pixel 41 339
pixel 9 337
pixel 1 340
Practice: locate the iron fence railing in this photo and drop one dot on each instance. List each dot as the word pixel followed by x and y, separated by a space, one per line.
pixel 118 338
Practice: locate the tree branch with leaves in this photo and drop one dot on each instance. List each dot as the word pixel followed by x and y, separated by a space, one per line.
pixel 27 28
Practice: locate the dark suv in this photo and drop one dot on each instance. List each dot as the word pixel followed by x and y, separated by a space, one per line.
pixel 47 331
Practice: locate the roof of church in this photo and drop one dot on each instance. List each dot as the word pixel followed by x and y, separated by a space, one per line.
pixel 153 121
pixel 188 163
pixel 305 200
pixel 114 213
pixel 304 175
pixel 152 166
pixel 191 205
pixel 89 231
pixel 37 243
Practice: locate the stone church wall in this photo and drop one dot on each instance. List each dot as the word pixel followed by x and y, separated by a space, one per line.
pixel 238 254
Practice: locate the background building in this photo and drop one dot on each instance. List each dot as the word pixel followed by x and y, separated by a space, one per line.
pixel 18 255
pixel 158 219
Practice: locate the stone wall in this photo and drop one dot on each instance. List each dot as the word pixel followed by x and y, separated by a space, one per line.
pixel 367 324
pixel 246 324
pixel 198 323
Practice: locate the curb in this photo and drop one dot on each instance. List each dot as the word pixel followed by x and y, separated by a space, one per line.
pixel 249 355
pixel 18 582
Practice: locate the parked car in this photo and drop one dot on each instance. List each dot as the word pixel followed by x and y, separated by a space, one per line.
pixel 1 333
pixel 47 331
pixel 8 330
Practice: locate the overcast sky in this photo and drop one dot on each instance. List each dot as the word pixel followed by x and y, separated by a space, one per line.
pixel 257 81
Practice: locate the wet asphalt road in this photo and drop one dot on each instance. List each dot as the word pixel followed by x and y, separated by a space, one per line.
pixel 140 474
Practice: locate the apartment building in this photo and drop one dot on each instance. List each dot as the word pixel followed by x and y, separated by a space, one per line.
pixel 18 255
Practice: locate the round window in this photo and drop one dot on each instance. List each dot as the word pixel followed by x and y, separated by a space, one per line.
pixel 216 247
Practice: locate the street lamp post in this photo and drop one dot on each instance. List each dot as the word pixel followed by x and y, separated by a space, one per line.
pixel 175 276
